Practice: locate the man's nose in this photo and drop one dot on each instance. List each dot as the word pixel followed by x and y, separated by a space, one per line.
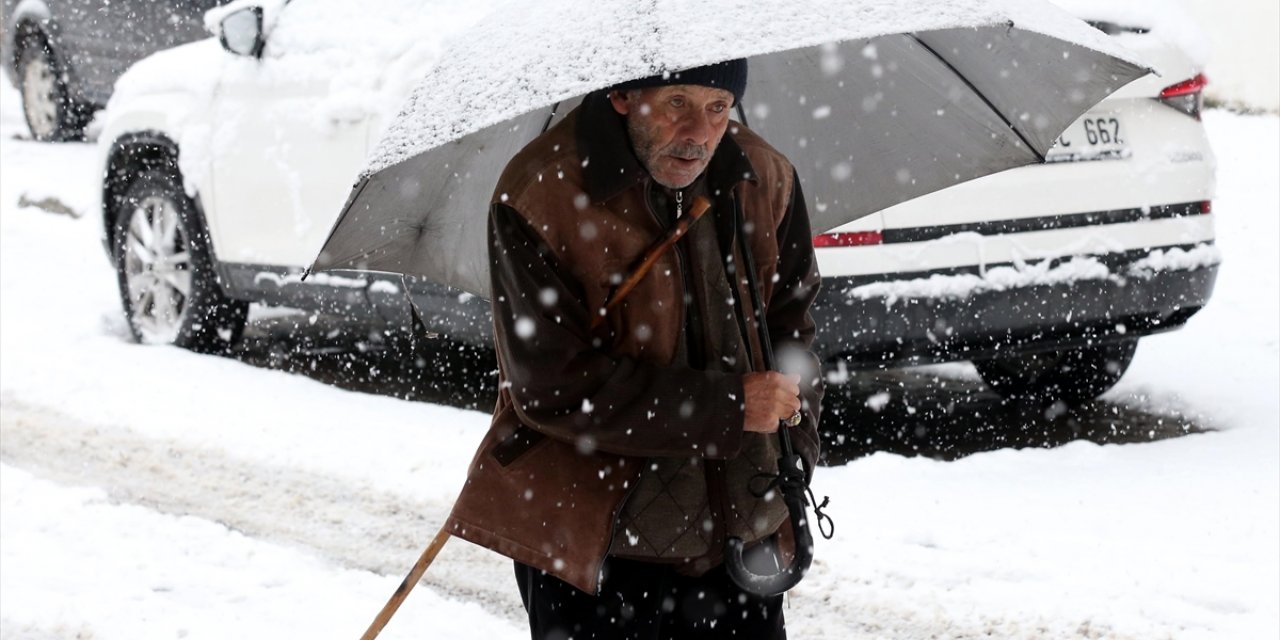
pixel 696 128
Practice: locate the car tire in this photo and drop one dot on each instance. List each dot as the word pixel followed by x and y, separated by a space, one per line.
pixel 52 114
pixel 169 286
pixel 1073 376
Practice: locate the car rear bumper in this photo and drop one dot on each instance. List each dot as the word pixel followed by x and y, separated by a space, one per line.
pixel 1123 302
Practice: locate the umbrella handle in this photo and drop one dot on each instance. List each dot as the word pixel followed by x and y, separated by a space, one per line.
pixel 791 483
pixel 791 478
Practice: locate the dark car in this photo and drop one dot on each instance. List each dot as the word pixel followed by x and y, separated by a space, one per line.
pixel 65 55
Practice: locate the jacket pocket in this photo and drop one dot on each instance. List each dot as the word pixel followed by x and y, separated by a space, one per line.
pixel 516 445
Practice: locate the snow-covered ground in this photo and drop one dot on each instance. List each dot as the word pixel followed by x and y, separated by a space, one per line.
pixel 154 493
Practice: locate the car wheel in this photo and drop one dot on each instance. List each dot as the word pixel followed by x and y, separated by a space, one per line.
pixel 1070 375
pixel 168 285
pixel 52 114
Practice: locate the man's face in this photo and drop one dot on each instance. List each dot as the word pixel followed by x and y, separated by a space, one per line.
pixel 674 129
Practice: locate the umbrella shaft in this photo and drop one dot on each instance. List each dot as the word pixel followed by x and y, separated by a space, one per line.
pixel 766 343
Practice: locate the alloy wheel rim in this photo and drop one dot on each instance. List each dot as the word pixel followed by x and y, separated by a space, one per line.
pixel 39 97
pixel 158 269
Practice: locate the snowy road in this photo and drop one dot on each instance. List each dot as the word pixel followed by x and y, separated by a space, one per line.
pixel 154 493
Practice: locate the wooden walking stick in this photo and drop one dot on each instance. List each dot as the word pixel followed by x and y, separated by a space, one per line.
pixel 646 262
pixel 411 580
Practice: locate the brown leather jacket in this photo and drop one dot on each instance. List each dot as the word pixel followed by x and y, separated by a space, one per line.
pixel 581 414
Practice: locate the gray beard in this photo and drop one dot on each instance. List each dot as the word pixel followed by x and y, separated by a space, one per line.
pixel 643 144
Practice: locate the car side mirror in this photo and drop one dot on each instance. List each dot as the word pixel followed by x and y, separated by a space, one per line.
pixel 241 32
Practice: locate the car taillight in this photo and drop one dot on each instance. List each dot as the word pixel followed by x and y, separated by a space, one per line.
pixel 850 239
pixel 1206 206
pixel 1186 96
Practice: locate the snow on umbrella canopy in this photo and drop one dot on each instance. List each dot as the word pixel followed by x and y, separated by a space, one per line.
pixel 874 101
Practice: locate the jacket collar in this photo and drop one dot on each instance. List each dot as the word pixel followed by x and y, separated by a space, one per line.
pixel 610 166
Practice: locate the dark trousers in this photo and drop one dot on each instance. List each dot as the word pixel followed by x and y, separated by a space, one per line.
pixel 645 601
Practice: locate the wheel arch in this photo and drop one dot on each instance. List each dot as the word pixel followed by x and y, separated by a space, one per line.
pixel 198 314
pixel 130 155
pixel 31 19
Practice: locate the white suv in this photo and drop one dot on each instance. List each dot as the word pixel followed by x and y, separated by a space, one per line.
pixel 1044 276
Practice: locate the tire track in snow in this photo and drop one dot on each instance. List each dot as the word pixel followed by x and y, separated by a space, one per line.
pixel 359 526
pixel 10 630
pixel 353 524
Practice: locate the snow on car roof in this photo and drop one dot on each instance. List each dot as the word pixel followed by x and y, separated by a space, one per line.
pixel 1166 20
pixel 365 56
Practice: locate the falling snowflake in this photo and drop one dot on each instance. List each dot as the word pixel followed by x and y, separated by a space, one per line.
pixel 525 327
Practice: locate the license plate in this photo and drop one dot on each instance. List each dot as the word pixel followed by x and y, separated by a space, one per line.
pixel 1096 136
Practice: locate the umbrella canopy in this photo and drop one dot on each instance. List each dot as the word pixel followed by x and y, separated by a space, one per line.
pixel 874 101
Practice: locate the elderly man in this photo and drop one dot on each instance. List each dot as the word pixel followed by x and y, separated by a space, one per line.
pixel 627 445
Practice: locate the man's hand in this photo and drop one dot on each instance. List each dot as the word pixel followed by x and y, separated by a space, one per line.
pixel 770 397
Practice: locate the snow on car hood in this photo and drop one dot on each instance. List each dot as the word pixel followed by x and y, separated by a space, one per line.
pixel 529 56
pixel 368 53
pixel 190 68
pixel 359 59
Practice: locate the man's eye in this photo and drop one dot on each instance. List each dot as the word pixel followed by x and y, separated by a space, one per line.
pixel 677 102
pixel 719 107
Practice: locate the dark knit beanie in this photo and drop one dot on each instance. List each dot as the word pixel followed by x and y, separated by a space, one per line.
pixel 730 75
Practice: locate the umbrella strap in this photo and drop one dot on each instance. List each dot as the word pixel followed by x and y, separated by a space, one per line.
pixel 789 483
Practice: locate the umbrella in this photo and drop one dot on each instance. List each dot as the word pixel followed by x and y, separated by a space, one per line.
pixel 874 101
